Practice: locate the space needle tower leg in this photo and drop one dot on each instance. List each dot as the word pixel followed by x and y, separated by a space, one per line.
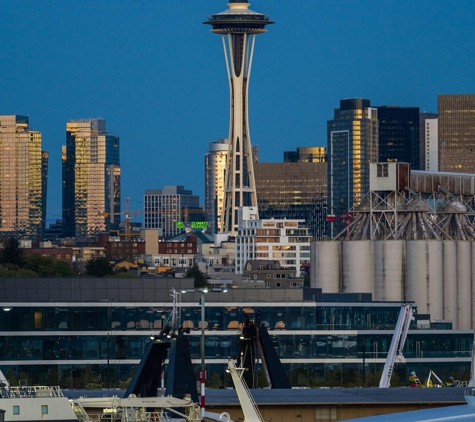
pixel 238 27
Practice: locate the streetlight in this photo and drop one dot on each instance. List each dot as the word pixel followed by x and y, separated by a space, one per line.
pixel 203 292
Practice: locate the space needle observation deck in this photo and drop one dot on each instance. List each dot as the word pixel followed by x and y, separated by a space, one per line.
pixel 238 27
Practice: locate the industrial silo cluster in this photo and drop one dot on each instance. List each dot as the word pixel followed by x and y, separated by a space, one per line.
pixel 438 275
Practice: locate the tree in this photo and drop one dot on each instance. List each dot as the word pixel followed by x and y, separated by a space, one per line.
pixel 99 267
pixel 62 269
pixel 42 265
pixel 12 253
pixel 46 266
pixel 197 274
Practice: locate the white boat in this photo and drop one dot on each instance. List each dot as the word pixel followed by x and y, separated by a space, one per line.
pixel 35 404
pixel 41 403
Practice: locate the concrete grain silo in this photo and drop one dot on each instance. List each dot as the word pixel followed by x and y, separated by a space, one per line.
pixel 464 285
pixel 357 266
pixel 325 268
pixel 449 259
pixel 389 265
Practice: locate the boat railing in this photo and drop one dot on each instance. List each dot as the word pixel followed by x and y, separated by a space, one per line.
pixel 124 416
pixel 31 392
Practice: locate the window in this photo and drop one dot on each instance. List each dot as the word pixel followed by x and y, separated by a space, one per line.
pixel 255 276
pixel 16 410
pixel 382 170
pixel 277 284
pixel 44 409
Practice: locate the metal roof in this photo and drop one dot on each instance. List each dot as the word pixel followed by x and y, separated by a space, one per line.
pixel 342 396
pixel 463 412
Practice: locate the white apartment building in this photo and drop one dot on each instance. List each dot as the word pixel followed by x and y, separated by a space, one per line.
pixel 431 140
pixel 284 240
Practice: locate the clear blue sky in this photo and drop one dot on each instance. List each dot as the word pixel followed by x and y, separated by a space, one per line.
pixel 157 75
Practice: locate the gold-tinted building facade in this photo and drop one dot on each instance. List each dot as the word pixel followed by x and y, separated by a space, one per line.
pixel 352 143
pixel 23 168
pixel 215 169
pixel 306 154
pixel 293 190
pixel 91 179
pixel 457 133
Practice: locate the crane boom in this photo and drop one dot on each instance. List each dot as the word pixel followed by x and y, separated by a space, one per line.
pixel 397 344
pixel 248 405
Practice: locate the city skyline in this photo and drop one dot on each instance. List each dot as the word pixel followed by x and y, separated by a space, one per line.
pixel 156 74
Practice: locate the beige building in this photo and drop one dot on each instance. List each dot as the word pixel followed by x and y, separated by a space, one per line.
pixel 23 171
pixel 456 133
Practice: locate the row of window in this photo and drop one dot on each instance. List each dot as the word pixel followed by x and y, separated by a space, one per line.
pixel 104 347
pixel 94 318
pixel 306 374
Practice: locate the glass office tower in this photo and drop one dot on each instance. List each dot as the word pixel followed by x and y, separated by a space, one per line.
pixel 457 133
pixel 91 178
pixel 352 143
pixel 399 135
pixel 23 169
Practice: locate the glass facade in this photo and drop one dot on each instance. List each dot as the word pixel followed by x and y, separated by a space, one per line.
pixel 399 135
pixel 23 170
pixel 293 190
pixel 91 179
pixel 456 133
pixel 352 143
pixel 73 344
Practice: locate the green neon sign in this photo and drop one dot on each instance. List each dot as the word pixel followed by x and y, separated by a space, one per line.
pixel 193 224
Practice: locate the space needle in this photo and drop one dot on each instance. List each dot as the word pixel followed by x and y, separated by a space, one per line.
pixel 238 27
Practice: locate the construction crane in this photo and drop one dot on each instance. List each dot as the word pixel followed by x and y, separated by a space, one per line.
pixel 397 344
pixel 127 217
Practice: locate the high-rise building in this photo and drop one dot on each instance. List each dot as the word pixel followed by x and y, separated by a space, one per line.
pixel 295 190
pixel 23 174
pixel 239 26
pixel 215 168
pixel 457 133
pixel 91 179
pixel 352 138
pixel 399 135
pixel 164 208
pixel 429 141
pixel 306 155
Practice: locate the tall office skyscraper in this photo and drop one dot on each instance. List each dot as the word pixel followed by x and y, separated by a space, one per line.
pixel 399 135
pixel 215 169
pixel 457 133
pixel 23 172
pixel 164 208
pixel 429 141
pixel 239 26
pixel 352 138
pixel 91 178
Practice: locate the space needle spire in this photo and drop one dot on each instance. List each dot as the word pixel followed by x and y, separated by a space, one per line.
pixel 238 27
